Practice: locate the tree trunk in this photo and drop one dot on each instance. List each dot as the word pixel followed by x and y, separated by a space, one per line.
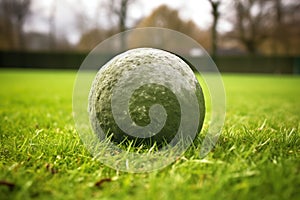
pixel 122 23
pixel 214 30
pixel 216 15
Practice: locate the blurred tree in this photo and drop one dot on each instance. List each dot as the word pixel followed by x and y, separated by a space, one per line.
pixel 277 34
pixel 250 24
pixel 93 37
pixel 52 25
pixel 37 41
pixel 92 32
pixel 264 26
pixel 90 39
pixel 13 14
pixel 83 21
pixel 215 4
pixel 119 8
pixel 286 27
pixel 165 17
pixel 7 32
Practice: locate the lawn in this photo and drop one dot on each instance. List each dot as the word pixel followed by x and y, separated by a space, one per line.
pixel 42 157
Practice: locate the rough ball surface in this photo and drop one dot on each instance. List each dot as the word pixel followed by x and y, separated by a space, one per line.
pixel 151 64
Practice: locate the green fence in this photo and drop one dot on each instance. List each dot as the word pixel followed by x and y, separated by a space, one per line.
pixel 257 64
pixel 232 64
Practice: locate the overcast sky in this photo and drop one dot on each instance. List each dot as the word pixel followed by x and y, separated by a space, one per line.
pixel 66 22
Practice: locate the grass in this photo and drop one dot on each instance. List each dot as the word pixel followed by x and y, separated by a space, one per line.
pixel 42 157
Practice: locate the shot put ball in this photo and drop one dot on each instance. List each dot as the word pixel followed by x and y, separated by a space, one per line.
pixel 148 64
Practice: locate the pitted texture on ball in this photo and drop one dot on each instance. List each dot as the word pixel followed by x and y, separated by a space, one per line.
pixel 100 98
